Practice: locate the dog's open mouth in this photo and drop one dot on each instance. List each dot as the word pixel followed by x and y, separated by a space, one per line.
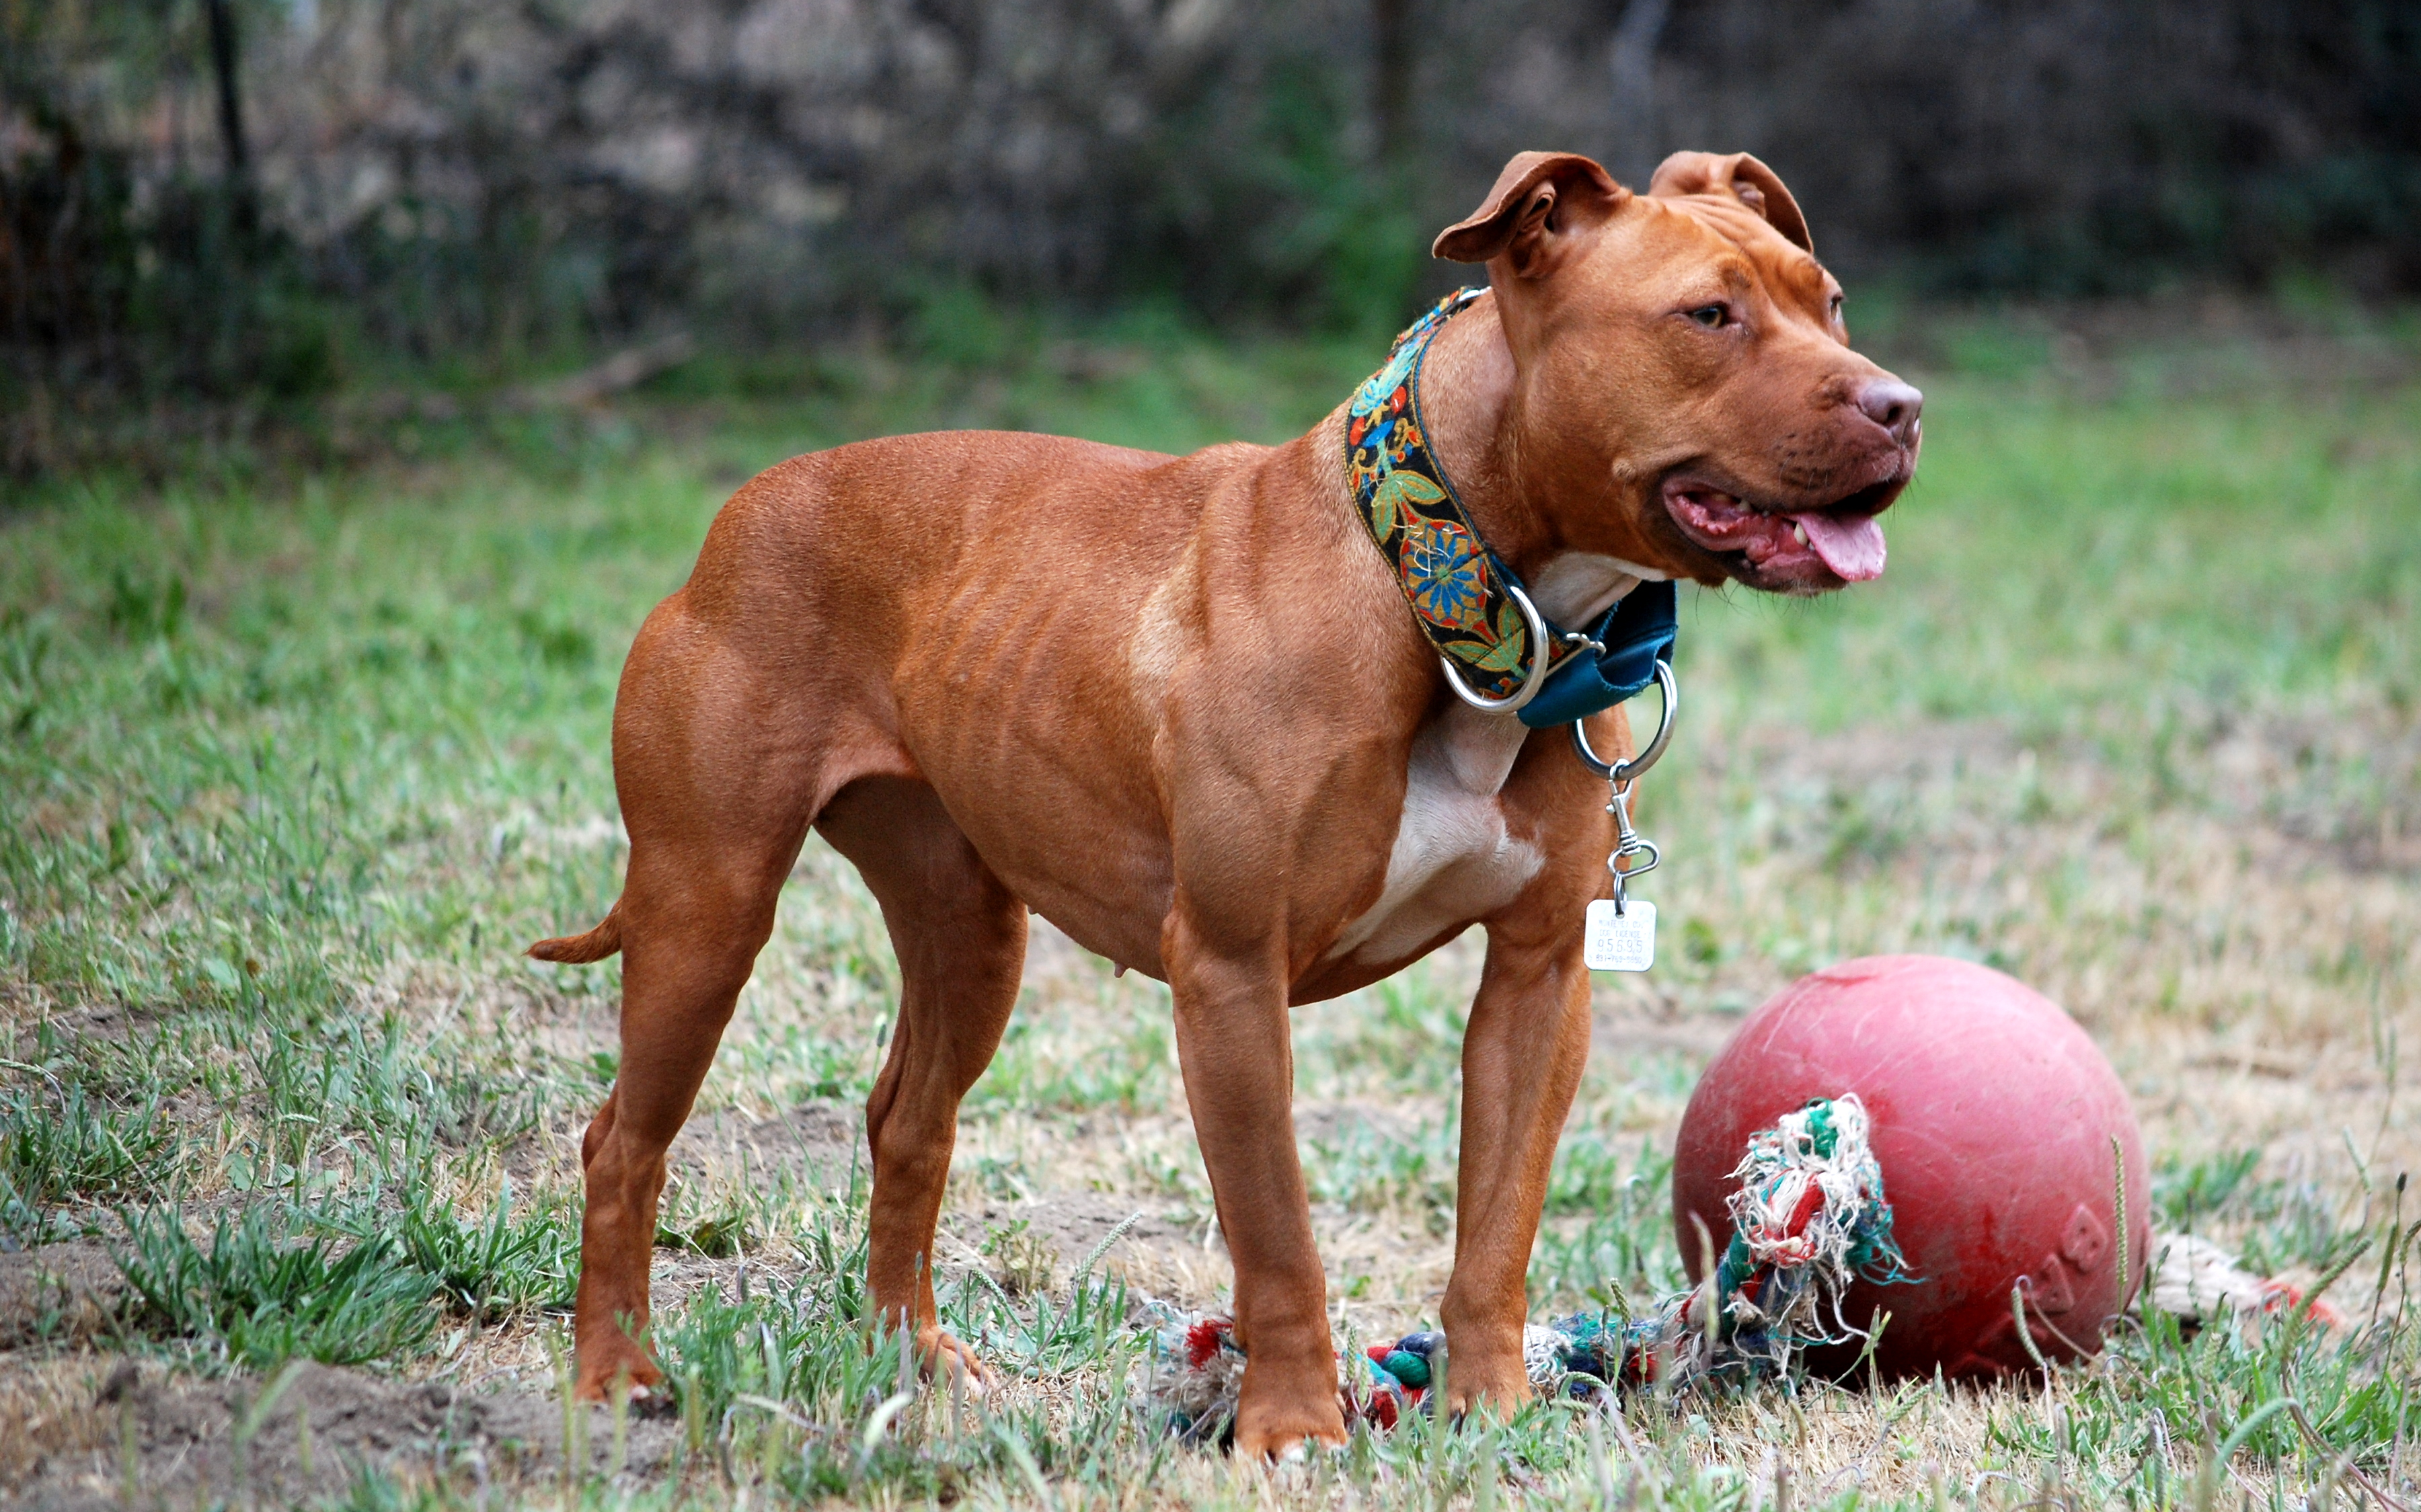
pixel 1809 551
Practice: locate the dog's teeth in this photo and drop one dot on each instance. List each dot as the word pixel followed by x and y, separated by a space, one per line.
pixel 1799 532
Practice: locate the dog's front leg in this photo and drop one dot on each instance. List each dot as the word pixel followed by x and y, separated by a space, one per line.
pixel 1238 1065
pixel 1522 1055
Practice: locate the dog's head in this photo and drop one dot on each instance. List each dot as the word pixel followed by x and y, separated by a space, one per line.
pixel 1684 385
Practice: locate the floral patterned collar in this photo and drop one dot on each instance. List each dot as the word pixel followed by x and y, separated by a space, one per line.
pixel 1469 603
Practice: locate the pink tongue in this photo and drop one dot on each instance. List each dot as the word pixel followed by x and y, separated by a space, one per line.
pixel 1851 547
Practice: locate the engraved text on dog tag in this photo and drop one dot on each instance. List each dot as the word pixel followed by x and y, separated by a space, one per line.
pixel 1624 942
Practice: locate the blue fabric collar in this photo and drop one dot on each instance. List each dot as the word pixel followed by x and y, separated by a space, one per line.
pixel 1637 633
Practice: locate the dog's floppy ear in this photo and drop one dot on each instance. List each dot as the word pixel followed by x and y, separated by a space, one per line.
pixel 1741 176
pixel 1541 199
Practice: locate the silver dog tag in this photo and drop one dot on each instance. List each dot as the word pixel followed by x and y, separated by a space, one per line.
pixel 1624 942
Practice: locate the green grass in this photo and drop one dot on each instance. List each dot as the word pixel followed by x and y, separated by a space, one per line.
pixel 64 1147
pixel 290 774
pixel 254 1296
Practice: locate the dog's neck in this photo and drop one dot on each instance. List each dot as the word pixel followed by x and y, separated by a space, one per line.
pixel 1468 388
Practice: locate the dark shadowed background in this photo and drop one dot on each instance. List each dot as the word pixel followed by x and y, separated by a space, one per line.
pixel 262 195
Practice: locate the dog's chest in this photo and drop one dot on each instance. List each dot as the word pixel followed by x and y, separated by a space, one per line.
pixel 1453 858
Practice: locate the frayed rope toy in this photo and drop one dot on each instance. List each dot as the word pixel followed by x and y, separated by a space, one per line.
pixel 1809 1219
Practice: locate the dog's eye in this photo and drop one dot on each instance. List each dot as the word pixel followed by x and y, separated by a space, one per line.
pixel 1834 306
pixel 1710 316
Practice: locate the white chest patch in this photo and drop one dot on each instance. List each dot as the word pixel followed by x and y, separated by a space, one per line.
pixel 1452 859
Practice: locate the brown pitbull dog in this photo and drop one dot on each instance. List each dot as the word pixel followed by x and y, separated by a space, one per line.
pixel 1178 706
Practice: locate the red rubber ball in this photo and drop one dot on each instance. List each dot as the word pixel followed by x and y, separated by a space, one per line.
pixel 1992 1115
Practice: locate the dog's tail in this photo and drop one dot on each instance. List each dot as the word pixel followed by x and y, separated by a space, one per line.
pixel 579 949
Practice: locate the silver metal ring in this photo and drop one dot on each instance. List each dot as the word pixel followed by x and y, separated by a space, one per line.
pixel 1621 771
pixel 1541 656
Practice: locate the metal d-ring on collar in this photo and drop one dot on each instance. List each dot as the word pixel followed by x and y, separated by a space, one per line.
pixel 1539 664
pixel 1623 773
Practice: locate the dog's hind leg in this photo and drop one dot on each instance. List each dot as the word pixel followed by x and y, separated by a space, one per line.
pixel 719 773
pixel 961 939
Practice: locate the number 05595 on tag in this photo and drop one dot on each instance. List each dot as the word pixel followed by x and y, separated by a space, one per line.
pixel 1624 942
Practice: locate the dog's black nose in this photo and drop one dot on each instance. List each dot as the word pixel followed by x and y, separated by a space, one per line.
pixel 1893 405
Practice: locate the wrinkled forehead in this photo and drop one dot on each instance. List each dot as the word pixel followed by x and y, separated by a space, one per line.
pixel 1720 232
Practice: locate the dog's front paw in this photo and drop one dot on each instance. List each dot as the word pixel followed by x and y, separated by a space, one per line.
pixel 615 1363
pixel 1279 1408
pixel 1493 1381
pixel 944 1356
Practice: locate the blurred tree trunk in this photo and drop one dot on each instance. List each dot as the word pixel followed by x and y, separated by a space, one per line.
pixel 1390 79
pixel 226 64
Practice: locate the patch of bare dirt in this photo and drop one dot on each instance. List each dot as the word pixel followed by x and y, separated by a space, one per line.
pixel 136 1436
pixel 824 1140
pixel 1329 1122
pixel 57 1292
pixel 1040 1243
pixel 1623 1030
